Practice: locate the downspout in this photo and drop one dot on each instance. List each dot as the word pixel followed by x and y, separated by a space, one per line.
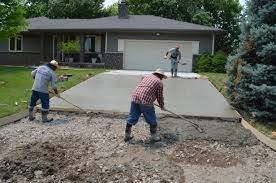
pixel 213 44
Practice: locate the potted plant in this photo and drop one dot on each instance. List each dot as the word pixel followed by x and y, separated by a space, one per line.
pixel 69 48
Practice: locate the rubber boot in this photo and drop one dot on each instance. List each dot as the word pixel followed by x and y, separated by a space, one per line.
pixel 45 119
pixel 128 136
pixel 31 114
pixel 153 134
pixel 175 73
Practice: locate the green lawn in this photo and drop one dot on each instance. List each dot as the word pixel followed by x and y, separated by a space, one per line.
pixel 219 80
pixel 16 84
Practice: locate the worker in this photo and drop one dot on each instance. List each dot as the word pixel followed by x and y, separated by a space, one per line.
pixel 42 76
pixel 175 56
pixel 147 91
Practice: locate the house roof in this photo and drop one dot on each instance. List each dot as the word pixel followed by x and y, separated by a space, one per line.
pixel 113 23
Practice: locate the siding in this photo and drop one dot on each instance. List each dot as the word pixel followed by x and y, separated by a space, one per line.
pixel 30 54
pixel 31 43
pixel 4 45
pixel 205 40
pixel 19 58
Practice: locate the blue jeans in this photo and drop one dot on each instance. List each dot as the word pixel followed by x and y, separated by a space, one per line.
pixel 44 98
pixel 137 109
pixel 174 65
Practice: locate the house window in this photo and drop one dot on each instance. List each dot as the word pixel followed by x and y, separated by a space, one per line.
pixel 16 43
pixel 89 44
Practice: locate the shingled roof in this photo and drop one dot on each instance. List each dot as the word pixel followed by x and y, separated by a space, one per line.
pixel 113 23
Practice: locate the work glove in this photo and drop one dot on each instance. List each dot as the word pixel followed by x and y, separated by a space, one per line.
pixel 165 57
pixel 56 92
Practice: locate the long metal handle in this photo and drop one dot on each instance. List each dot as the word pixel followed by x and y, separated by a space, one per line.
pixel 67 101
pixel 71 103
pixel 179 116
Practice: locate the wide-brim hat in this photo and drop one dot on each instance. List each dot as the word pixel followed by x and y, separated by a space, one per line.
pixel 161 72
pixel 54 63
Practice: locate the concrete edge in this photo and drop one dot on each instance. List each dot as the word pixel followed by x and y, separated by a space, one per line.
pixel 159 115
pixel 260 136
pixel 13 118
pixel 18 116
pixel 238 114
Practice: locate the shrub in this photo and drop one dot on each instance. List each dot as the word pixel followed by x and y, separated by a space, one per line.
pixel 70 47
pixel 218 62
pixel 211 63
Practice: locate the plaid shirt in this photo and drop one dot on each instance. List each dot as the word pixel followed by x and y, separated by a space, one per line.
pixel 148 90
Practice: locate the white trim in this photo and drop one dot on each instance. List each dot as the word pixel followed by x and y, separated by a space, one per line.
pixel 54 36
pixel 114 52
pixel 163 40
pixel 213 44
pixel 15 44
pixel 195 47
pixel 121 45
pixel 62 53
pixel 98 43
pixel 105 42
pixel 90 36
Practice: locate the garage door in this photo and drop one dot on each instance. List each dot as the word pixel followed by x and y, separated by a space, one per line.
pixel 149 55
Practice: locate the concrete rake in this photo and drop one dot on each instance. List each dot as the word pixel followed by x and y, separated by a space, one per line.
pixel 196 126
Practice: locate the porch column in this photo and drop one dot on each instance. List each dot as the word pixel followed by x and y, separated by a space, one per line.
pixel 42 47
pixel 81 48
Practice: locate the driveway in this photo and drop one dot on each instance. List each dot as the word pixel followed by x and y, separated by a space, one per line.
pixel 111 92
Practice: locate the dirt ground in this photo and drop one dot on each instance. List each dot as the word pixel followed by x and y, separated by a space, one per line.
pixel 81 148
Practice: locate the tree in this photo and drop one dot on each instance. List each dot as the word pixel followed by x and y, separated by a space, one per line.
pixel 203 18
pixel 75 9
pixel 36 8
pixel 174 9
pixel 11 19
pixel 252 70
pixel 224 14
pixel 112 10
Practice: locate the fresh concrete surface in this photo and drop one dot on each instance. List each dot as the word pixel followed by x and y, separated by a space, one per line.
pixel 141 73
pixel 108 92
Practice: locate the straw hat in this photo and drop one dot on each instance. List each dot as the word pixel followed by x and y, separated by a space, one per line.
pixel 54 63
pixel 161 72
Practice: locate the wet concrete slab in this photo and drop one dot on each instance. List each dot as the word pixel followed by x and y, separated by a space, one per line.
pixel 107 92
pixel 141 73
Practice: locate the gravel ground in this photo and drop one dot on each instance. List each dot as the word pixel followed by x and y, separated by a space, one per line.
pixel 79 148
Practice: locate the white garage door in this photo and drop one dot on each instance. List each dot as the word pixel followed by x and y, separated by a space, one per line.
pixel 149 55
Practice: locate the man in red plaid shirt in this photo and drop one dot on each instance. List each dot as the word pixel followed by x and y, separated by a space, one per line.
pixel 147 91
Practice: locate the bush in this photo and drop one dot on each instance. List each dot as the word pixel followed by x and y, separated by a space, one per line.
pixel 212 63
pixel 219 61
pixel 69 47
pixel 204 63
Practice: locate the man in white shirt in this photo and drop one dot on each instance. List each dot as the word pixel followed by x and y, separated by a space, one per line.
pixel 175 56
pixel 42 76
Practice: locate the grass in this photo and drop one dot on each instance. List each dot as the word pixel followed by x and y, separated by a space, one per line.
pixel 16 84
pixel 219 81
